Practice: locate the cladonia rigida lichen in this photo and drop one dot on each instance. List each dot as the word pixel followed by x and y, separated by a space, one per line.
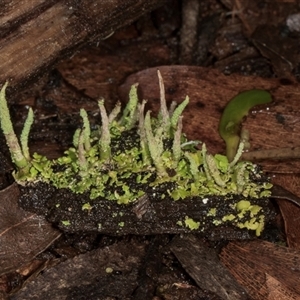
pixel 135 146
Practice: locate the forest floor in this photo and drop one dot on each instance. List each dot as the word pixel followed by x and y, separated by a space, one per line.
pixel 209 50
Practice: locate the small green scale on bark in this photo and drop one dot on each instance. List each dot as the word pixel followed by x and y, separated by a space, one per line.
pixel 135 170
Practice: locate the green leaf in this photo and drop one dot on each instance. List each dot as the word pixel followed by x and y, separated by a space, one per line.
pixel 233 115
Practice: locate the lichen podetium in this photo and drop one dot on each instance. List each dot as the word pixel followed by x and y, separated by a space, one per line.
pixel 132 152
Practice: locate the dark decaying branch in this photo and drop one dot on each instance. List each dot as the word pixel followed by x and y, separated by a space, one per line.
pixel 36 34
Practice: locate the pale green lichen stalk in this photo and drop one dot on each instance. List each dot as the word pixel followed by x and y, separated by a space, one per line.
pixel 131 153
pixel 86 132
pixel 105 139
pixel 19 154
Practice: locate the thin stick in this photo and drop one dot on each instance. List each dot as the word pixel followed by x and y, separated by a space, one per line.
pixel 274 154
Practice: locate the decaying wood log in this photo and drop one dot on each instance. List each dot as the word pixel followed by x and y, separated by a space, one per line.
pixel 36 34
pixel 148 215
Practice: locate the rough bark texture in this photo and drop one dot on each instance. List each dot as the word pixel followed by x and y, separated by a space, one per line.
pixel 36 34
pixel 110 272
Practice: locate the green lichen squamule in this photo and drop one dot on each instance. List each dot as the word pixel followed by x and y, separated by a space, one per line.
pixel 135 151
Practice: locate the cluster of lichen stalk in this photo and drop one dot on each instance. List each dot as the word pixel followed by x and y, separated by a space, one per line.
pixel 151 143
pixel 159 154
pixel 92 152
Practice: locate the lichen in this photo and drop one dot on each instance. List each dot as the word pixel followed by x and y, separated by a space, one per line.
pixel 19 154
pixel 191 224
pixel 66 222
pixel 135 152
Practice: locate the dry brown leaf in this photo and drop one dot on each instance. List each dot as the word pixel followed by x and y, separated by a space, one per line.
pixel 23 235
pixel 290 212
pixel 278 291
pixel 203 265
pixel 253 263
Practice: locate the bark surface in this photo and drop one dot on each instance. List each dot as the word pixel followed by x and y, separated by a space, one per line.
pixel 36 34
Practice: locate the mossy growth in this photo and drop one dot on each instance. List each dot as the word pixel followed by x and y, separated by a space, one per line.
pixel 132 152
